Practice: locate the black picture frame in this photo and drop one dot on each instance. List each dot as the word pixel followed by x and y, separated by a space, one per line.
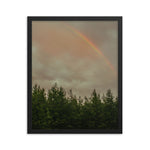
pixel 29 74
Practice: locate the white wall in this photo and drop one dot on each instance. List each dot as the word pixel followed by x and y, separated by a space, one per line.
pixel 136 77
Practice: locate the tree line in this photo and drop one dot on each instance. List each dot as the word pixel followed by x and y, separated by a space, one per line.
pixel 57 110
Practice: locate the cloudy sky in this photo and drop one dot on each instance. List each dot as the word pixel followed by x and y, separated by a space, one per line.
pixel 76 55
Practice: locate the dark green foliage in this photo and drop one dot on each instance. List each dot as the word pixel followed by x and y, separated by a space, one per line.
pixel 56 110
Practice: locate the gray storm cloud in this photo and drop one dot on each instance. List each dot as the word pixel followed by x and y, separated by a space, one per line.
pixel 59 56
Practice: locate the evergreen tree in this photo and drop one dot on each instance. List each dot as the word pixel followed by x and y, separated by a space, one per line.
pixel 56 110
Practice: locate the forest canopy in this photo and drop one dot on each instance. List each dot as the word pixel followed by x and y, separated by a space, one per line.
pixel 56 109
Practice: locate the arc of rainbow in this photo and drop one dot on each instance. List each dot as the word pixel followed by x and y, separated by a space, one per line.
pixel 92 45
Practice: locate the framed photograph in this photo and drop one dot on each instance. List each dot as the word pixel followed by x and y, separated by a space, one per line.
pixel 74 74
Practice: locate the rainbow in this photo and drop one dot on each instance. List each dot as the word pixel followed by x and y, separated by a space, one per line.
pixel 92 45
